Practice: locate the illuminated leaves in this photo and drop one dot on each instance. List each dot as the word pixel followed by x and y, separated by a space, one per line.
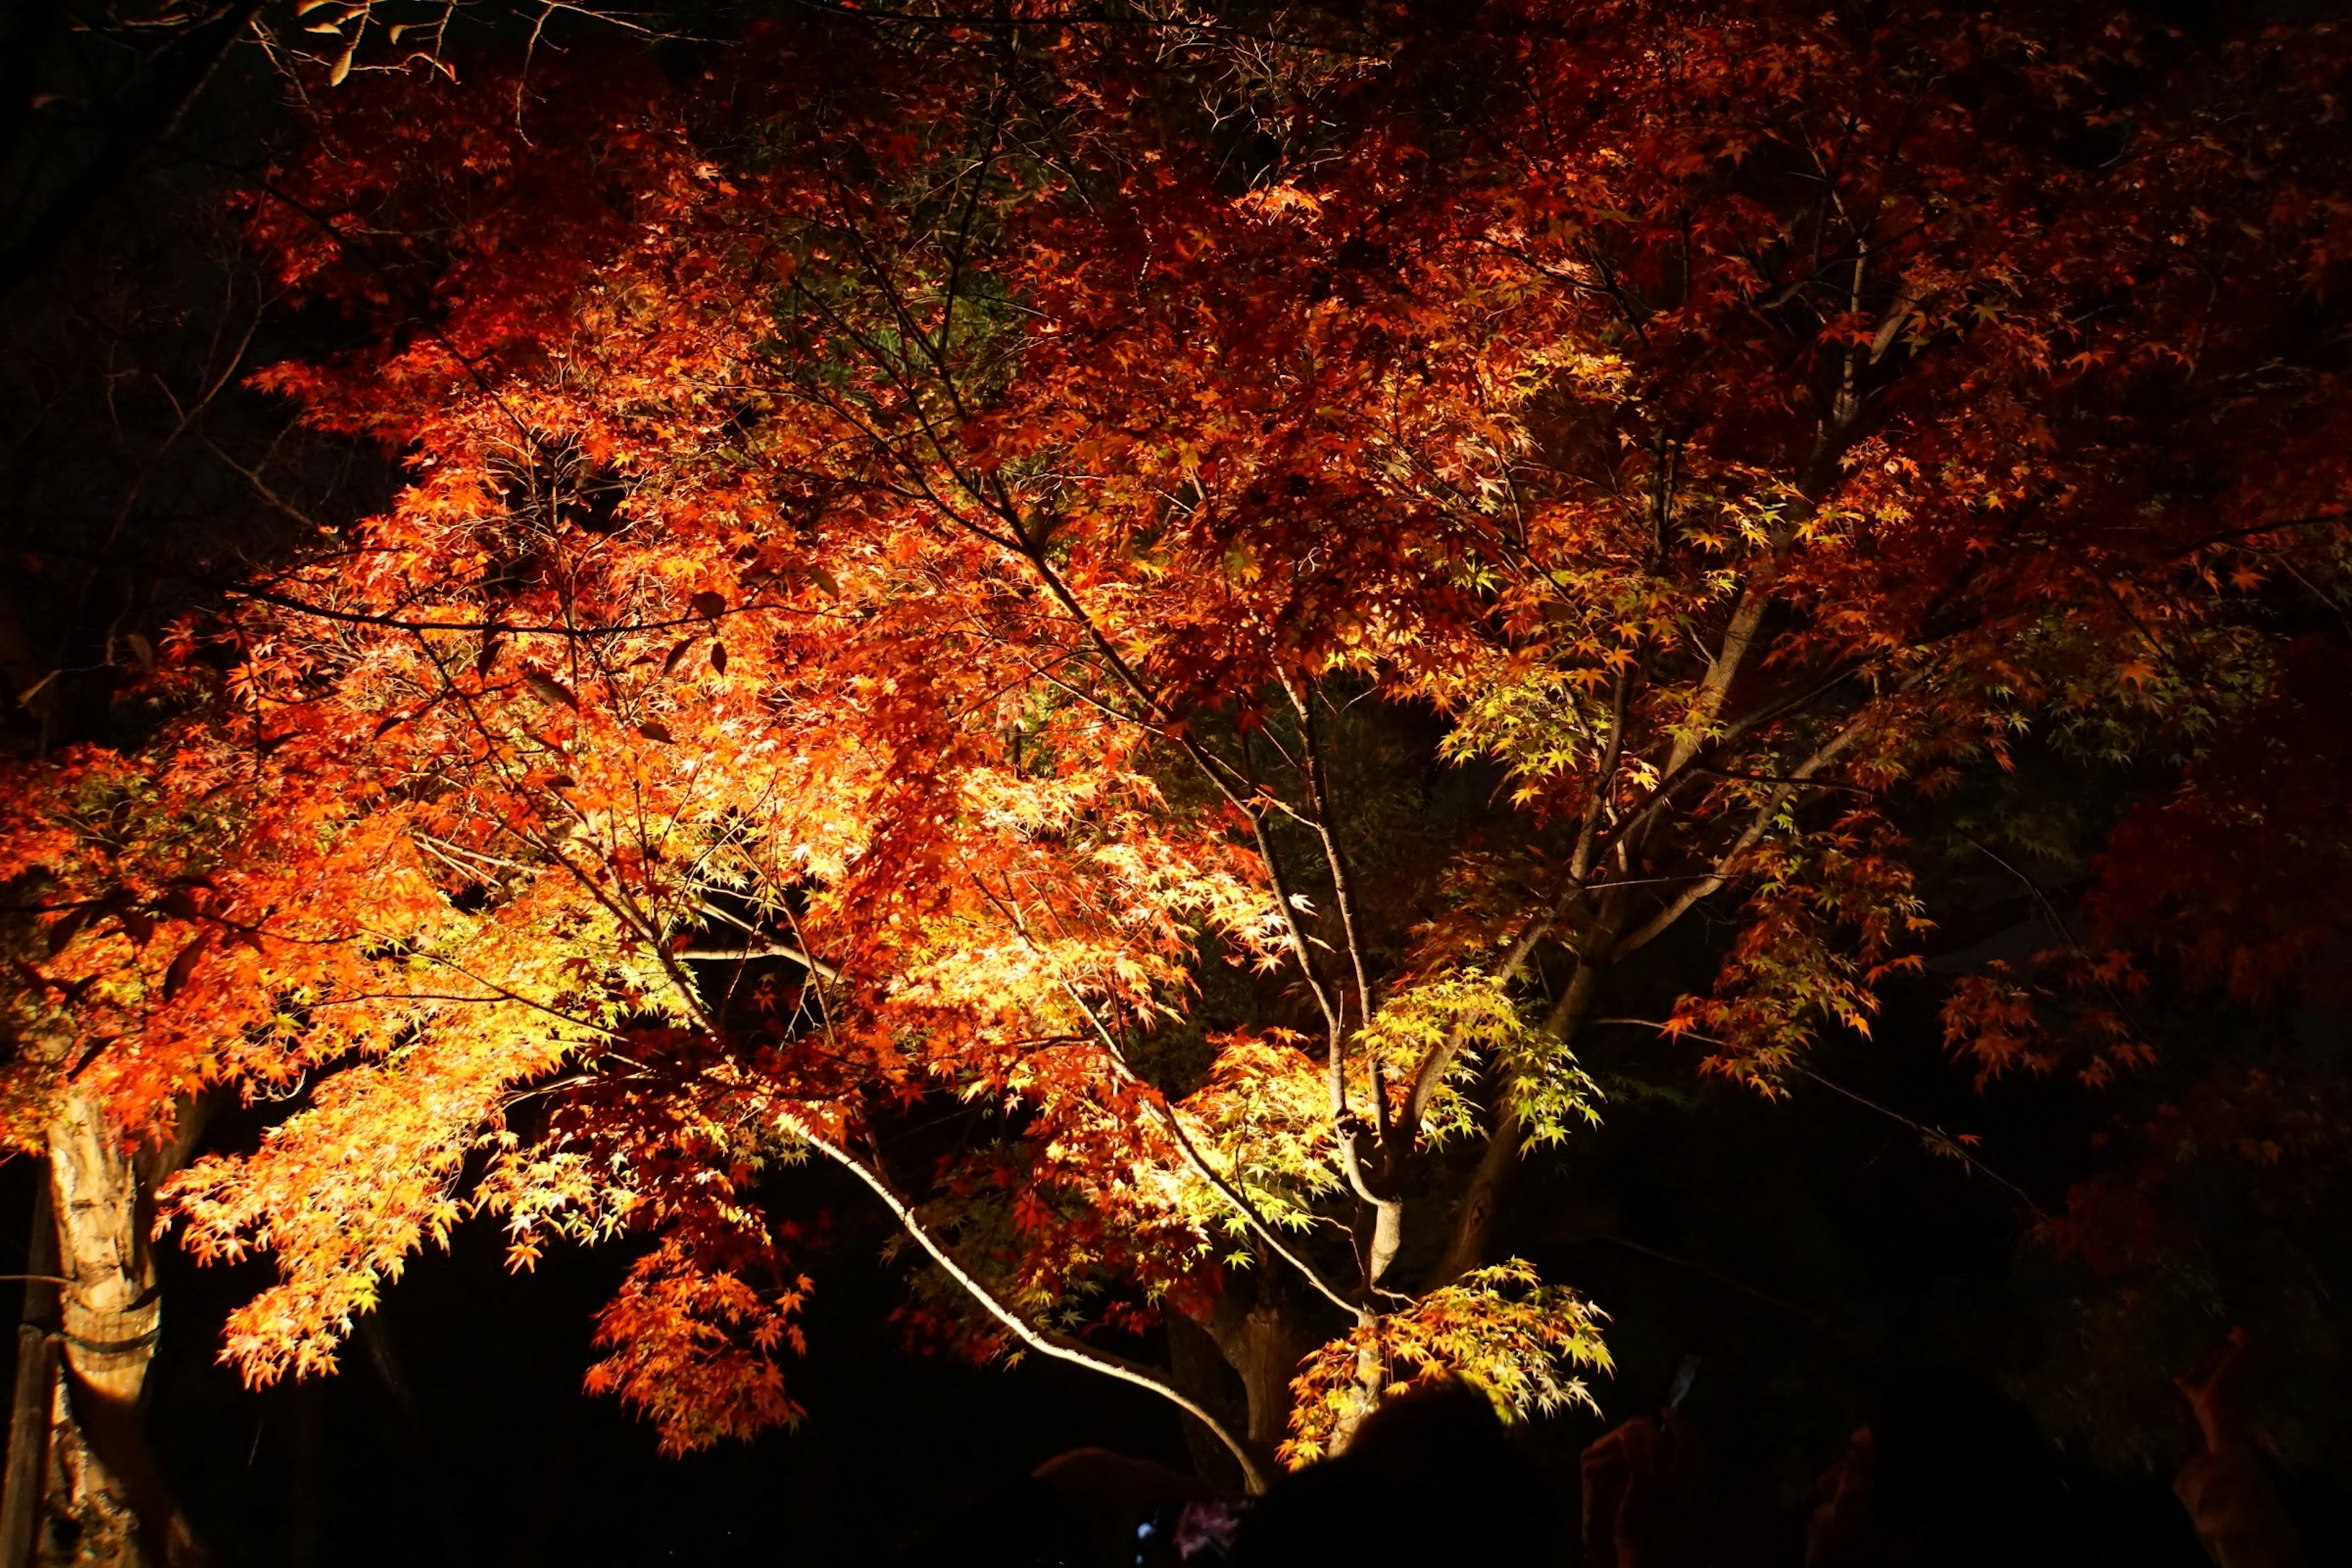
pixel 694 1346
pixel 1264 1117
pixel 1517 1341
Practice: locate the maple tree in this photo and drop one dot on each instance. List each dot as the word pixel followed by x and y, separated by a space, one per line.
pixel 1203 593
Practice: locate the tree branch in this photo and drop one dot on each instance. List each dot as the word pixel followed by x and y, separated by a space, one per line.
pixel 1045 1344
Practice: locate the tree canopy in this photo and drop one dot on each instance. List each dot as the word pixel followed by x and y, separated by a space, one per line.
pixel 1215 595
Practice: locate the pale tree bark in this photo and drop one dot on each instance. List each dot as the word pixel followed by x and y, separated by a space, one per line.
pixel 103 1473
pixel 1265 1348
pixel 86 1517
pixel 1262 1336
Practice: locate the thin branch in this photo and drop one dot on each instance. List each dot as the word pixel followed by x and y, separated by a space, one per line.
pixel 1043 1343
pixel 1200 1164
pixel 1720 1277
pixel 762 950
pixel 1682 903
pixel 1318 800
pixel 2254 530
pixel 1936 1139
pixel 2058 923
pixel 1939 1140
pixel 399 623
pixel 1167 1113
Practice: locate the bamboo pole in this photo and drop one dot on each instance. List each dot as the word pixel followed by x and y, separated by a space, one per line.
pixel 37 1377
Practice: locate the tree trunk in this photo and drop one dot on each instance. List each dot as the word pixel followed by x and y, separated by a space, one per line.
pixel 1270 1343
pixel 87 1520
pixel 36 1381
pixel 112 1317
pixel 1388 1238
pixel 1262 1338
pixel 1198 1367
pixel 1482 1203
pixel 1474 1224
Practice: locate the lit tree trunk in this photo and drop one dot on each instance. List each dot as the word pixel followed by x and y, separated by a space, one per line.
pixel 103 1473
pixel 87 1520
pixel 1270 1344
pixel 36 1381
pixel 1262 1340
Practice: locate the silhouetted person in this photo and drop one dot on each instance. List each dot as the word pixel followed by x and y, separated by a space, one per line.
pixel 1078 1510
pixel 1428 1478
pixel 1645 1501
pixel 1948 1474
pixel 2230 1500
